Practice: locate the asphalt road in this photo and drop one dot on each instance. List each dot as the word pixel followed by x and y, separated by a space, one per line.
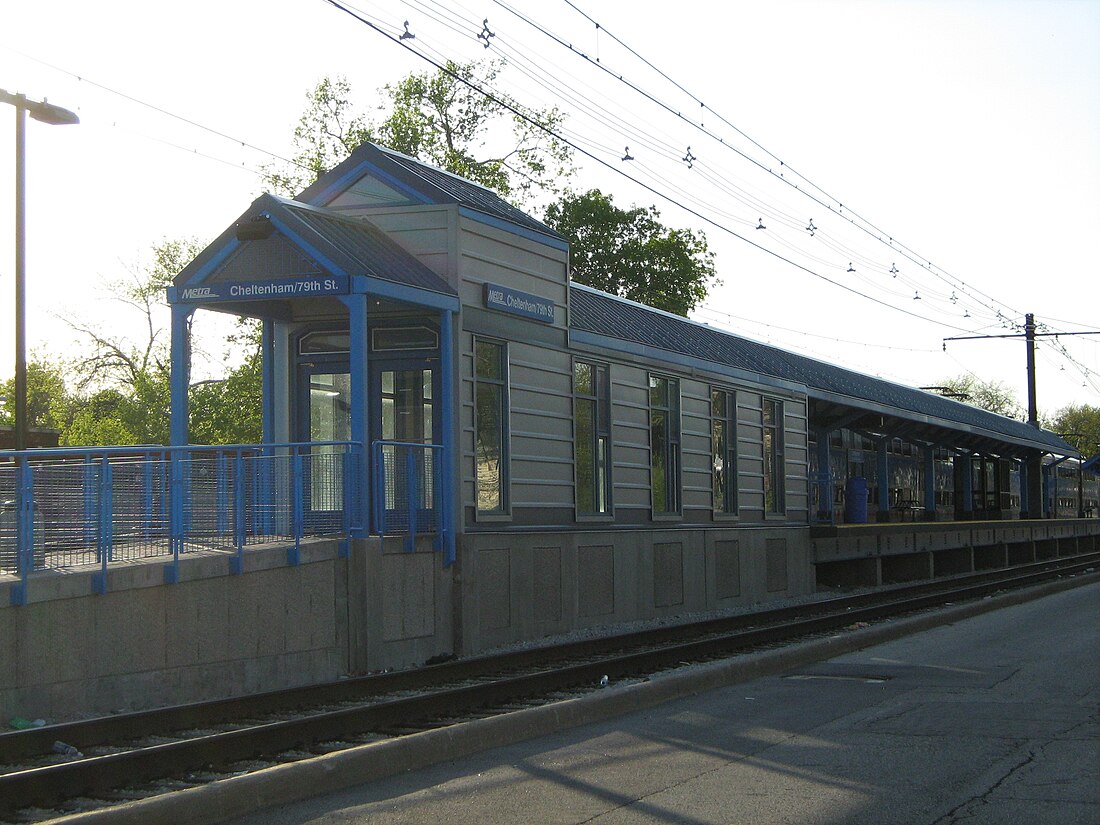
pixel 994 719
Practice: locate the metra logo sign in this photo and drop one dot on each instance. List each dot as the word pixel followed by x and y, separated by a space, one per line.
pixel 515 302
pixel 259 290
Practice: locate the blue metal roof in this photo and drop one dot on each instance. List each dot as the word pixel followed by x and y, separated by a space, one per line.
pixel 429 183
pixel 598 313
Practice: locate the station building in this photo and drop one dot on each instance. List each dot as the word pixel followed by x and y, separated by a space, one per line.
pixel 551 457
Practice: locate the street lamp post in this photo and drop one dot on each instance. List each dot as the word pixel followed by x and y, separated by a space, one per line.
pixel 54 116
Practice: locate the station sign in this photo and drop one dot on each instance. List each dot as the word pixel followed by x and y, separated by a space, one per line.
pixel 519 303
pixel 265 290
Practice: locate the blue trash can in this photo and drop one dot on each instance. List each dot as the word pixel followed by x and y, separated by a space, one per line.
pixel 855 500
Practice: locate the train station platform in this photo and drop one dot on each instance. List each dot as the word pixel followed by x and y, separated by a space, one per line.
pixel 870 555
pixel 990 719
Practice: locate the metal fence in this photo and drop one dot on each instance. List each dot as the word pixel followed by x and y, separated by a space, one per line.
pixel 408 493
pixel 63 509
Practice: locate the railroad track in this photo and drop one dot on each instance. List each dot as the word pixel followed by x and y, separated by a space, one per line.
pixel 140 754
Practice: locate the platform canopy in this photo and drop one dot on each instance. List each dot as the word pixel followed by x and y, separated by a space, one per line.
pixel 838 397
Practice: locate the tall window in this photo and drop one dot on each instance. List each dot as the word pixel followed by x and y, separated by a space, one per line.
pixel 490 427
pixel 723 440
pixel 664 443
pixel 592 414
pixel 773 457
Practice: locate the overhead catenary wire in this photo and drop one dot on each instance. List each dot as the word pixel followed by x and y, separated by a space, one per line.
pixel 594 146
pixel 859 221
pixel 651 189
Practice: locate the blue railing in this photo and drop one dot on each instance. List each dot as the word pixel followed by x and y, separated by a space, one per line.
pixel 93 507
pixel 409 493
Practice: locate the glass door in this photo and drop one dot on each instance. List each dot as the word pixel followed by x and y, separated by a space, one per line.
pixel 327 414
pixel 406 401
pixel 402 412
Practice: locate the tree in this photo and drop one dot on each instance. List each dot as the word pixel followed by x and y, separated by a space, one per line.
pixel 439 118
pixel 989 395
pixel 49 402
pixel 327 133
pixel 1079 424
pixel 126 382
pixel 631 254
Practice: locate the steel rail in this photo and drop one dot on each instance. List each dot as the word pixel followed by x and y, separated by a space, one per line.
pixel 50 784
pixel 85 734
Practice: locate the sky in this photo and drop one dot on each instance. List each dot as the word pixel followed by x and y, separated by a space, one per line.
pixel 946 154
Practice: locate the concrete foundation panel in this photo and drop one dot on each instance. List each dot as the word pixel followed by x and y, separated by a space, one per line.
pixel 494 573
pixel 595 580
pixel 408 595
pixel 727 569
pixel 775 553
pixel 547 583
pixel 668 574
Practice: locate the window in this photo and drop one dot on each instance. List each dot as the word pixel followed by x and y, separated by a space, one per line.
pixel 388 339
pixel 490 427
pixel 723 440
pixel 664 444
pixel 592 438
pixel 336 342
pixel 773 457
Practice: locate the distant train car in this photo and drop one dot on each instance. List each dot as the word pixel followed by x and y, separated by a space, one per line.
pixel 1074 492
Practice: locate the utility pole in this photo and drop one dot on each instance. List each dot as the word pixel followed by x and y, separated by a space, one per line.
pixel 1034 465
pixel 1034 478
pixel 1032 404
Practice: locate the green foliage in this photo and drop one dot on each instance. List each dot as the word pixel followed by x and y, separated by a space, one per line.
pixel 327 133
pixel 125 385
pixel 49 402
pixel 438 118
pixel 631 254
pixel 1079 424
pixel 989 395
pixel 229 411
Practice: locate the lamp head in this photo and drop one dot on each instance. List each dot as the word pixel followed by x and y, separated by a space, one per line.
pixel 53 115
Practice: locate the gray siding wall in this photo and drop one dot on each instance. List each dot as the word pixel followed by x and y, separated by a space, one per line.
pixel 428 232
pixel 540 422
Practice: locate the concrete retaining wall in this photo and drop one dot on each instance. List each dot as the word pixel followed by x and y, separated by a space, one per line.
pixel 70 653
pixel 400 604
pixel 875 554
pixel 520 587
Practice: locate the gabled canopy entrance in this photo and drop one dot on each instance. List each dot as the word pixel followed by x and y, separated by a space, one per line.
pixel 300 268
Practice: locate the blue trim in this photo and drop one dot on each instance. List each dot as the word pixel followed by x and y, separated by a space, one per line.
pixel 180 379
pixel 204 272
pixel 883 466
pixel 513 228
pixel 449 396
pixel 359 370
pixel 267 372
pixel 379 287
pixel 592 339
pixel 340 185
pixel 412 493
